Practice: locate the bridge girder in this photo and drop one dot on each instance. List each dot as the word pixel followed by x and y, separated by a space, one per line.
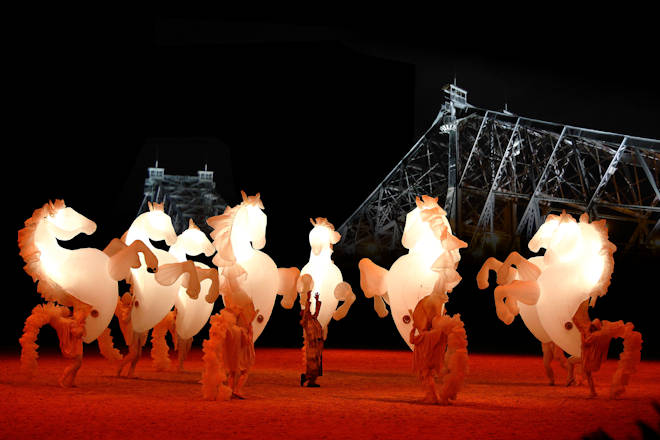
pixel 498 175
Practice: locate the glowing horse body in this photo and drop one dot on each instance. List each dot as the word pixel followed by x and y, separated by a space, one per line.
pixel 238 235
pixel 83 278
pixel 191 314
pixel 430 266
pixel 326 277
pixel 552 292
pixel 154 295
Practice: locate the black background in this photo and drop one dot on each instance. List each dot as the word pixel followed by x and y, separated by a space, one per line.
pixel 311 112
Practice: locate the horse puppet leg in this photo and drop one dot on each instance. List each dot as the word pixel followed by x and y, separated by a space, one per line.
pixel 506 273
pixel 482 276
pixel 168 274
pixel 343 292
pixel 209 274
pixel 288 278
pixel 372 283
pixel 526 271
pixel 527 292
pixel 183 348
pixel 123 258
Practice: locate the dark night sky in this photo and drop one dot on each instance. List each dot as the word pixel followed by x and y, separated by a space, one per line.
pixel 311 112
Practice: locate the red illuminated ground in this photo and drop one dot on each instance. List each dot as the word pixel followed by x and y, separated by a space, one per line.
pixel 364 394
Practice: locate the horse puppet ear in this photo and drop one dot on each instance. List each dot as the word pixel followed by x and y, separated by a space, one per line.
pixel 311 220
pixel 257 201
pixel 151 207
pixel 244 196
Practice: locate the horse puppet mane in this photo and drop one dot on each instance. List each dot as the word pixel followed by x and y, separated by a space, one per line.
pixel 222 226
pixel 28 250
pixel 607 250
pixel 436 217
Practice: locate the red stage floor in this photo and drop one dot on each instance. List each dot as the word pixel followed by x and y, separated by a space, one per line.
pixel 363 394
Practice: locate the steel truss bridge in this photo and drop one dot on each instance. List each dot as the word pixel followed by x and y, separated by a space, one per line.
pixel 184 197
pixel 498 175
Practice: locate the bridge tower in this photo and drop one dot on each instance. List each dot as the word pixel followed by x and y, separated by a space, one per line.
pixel 185 197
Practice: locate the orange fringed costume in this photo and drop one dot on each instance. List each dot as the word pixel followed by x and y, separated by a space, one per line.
pixel 596 338
pixel 442 352
pixel 440 349
pixel 70 329
pixel 159 348
pixel 228 354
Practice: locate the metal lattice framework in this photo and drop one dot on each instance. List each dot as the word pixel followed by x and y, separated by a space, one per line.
pixel 498 175
pixel 184 197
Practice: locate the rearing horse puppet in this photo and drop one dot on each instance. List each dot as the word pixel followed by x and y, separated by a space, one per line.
pixel 84 279
pixel 154 294
pixel 238 235
pixel 249 282
pixel 552 293
pixel 190 315
pixel 326 278
pixel 416 288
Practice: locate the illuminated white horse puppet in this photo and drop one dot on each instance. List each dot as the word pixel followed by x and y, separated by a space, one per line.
pixel 422 278
pixel 153 295
pixel 85 279
pixel 552 293
pixel 327 279
pixel 238 235
pixel 190 314
pixel 249 283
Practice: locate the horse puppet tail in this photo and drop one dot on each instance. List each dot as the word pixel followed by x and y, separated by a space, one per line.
pixel 596 338
pixel 628 360
pixel 214 378
pixel 455 361
pixel 41 315
pixel 159 348
pixel 107 347
pixel 106 343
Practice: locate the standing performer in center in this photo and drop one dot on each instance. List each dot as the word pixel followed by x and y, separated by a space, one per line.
pixel 312 336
